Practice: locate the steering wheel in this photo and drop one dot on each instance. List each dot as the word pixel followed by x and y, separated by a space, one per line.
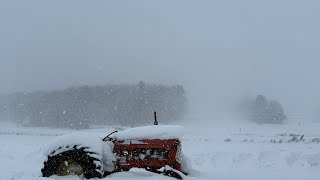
pixel 107 138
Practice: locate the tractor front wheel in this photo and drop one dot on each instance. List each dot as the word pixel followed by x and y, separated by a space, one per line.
pixel 167 171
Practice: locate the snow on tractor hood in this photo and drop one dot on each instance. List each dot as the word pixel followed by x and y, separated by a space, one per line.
pixel 151 132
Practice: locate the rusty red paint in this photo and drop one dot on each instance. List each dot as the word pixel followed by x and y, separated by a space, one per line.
pixel 159 152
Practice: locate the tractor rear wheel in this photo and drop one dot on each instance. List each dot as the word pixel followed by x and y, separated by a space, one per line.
pixel 73 162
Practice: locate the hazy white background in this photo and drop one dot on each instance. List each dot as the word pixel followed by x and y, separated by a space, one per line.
pixel 220 51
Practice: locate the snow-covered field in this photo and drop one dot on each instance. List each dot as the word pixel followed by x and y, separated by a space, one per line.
pixel 216 152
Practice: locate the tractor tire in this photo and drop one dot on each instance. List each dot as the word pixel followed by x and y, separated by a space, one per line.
pixel 172 173
pixel 83 160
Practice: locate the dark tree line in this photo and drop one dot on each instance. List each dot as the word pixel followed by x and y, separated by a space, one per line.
pixel 80 107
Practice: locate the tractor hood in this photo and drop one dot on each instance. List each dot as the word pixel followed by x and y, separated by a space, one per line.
pixel 151 132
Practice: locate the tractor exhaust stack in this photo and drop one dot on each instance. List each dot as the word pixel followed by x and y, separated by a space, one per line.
pixel 155 118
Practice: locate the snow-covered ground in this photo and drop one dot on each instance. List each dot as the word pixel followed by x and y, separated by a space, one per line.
pixel 216 152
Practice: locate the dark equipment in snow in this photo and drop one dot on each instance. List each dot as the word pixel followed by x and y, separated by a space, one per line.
pixel 154 154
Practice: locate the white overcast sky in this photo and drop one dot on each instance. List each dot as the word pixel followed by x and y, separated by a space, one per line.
pixel 219 50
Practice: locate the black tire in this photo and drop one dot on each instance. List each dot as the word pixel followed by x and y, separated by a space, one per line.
pixel 171 173
pixel 76 154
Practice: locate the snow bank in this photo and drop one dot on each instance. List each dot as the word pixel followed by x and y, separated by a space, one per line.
pixel 186 164
pixel 137 174
pixel 212 157
pixel 109 158
pixel 7 128
pixel 156 132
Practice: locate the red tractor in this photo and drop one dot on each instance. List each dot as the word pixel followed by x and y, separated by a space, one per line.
pixel 153 148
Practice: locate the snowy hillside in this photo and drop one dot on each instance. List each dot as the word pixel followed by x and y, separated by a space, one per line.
pixel 216 152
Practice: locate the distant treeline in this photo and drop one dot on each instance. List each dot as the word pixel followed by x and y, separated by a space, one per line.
pixel 79 107
pixel 263 111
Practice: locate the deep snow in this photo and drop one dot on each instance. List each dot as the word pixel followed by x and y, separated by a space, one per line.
pixel 217 152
